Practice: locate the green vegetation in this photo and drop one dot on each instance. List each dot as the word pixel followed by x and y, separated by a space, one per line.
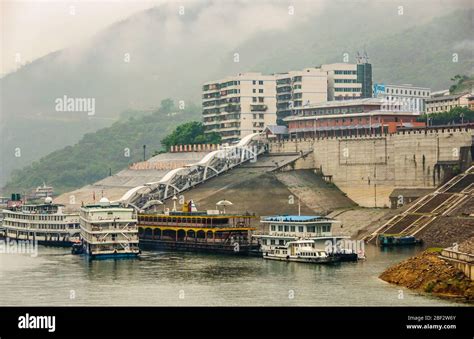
pixel 108 149
pixel 462 84
pixel 456 115
pixel 190 133
pixel 434 250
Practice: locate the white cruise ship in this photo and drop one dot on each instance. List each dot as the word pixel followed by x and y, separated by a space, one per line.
pixel 108 230
pixel 47 223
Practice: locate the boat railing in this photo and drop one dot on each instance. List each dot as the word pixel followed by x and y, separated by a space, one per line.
pixel 192 225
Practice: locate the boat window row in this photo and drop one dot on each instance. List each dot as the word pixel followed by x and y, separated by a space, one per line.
pixel 46 217
pixel 184 220
pixel 308 244
pixel 41 226
pixel 301 229
pixel 310 254
pixel 273 242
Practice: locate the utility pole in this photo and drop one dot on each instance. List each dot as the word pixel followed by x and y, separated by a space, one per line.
pixel 375 175
pixel 375 184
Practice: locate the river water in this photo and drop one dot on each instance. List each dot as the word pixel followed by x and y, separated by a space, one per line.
pixel 57 278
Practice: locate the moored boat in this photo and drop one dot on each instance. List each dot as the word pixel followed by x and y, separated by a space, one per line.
pixel 108 231
pixel 301 251
pixel 211 231
pixel 394 240
pixel 47 223
pixel 283 229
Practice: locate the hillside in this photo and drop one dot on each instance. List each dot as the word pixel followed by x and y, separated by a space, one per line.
pixel 109 149
pixel 156 54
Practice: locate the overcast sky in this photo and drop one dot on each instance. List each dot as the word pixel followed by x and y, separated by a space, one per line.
pixel 31 29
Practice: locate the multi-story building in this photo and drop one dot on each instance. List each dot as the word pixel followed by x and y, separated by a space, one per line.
pixel 470 102
pixel 445 103
pixel 295 89
pixel 408 97
pixel 349 117
pixel 239 105
pixel 342 81
pixel 364 77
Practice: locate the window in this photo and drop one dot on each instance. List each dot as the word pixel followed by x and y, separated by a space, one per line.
pixel 281 242
pixel 272 242
pixel 286 228
pixel 311 229
pixel 260 82
pixel 280 228
pixel 254 82
pixel 260 90
pixel 292 228
pixel 260 99
pixel 254 90
pixel 254 99
pixel 300 229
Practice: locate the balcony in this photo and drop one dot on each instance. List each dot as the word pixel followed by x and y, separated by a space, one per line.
pixel 283 89
pixel 258 108
pixel 233 108
pixel 283 82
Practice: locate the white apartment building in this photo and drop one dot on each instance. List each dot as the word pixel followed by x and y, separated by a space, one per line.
pixel 444 103
pixel 296 89
pixel 239 105
pixel 342 81
pixel 408 97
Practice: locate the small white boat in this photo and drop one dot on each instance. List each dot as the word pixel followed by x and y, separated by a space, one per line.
pixel 300 251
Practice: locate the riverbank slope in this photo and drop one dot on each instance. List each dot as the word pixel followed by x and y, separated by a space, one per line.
pixel 429 273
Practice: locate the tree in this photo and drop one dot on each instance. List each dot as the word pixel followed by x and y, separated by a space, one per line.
pixel 190 133
pixel 456 115
pixel 167 105
pixel 460 82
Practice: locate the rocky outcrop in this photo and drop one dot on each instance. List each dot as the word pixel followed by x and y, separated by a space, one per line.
pixel 429 273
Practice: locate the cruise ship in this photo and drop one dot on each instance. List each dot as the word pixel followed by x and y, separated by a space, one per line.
pixel 46 223
pixel 285 229
pixel 212 231
pixel 108 230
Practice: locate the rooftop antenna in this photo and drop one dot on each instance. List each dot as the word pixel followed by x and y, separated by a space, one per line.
pixel 366 57
pixel 299 206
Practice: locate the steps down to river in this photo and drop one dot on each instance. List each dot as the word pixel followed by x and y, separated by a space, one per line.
pixel 439 218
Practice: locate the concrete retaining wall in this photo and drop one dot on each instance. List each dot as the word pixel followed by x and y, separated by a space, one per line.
pixel 367 169
pixel 462 261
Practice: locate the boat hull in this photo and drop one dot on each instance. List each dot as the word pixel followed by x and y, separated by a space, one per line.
pixel 49 243
pixel 243 250
pixel 112 256
pixel 347 257
pixel 325 261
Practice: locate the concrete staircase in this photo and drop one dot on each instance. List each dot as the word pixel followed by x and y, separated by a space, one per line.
pixel 449 197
